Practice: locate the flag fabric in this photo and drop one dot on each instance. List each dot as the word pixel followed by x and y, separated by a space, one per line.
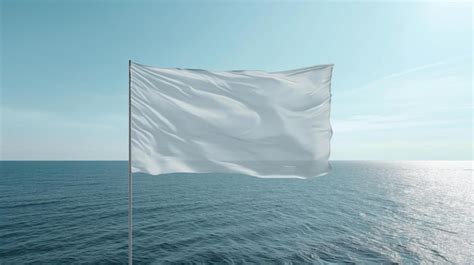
pixel 263 124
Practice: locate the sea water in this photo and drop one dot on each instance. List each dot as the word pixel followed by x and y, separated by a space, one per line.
pixel 362 212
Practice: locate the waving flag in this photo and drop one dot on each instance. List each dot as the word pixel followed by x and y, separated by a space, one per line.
pixel 263 124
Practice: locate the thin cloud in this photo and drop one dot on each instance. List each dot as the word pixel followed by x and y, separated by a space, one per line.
pixel 388 122
pixel 418 70
pixel 102 121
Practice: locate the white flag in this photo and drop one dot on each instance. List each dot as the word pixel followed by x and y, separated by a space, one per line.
pixel 263 124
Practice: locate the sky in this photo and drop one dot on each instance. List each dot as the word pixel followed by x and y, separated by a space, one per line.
pixel 402 82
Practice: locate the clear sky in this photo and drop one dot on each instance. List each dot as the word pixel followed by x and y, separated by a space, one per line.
pixel 402 83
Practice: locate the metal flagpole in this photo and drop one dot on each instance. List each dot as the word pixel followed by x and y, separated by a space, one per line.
pixel 129 164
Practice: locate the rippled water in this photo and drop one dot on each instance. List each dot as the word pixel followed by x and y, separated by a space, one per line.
pixel 363 212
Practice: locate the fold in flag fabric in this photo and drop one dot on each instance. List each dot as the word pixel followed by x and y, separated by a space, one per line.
pixel 263 124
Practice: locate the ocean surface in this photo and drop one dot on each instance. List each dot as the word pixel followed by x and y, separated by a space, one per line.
pixel 362 212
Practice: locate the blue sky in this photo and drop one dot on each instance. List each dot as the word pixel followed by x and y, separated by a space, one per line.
pixel 402 86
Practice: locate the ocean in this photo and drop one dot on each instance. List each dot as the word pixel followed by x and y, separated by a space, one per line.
pixel 363 212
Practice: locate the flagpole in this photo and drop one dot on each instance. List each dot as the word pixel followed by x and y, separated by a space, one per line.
pixel 129 164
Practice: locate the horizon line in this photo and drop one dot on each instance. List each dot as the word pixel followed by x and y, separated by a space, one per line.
pixel 122 160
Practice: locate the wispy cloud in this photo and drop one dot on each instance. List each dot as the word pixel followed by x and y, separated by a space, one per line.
pixel 388 122
pixel 432 95
pixel 39 134
pixel 449 69
pixel 20 115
